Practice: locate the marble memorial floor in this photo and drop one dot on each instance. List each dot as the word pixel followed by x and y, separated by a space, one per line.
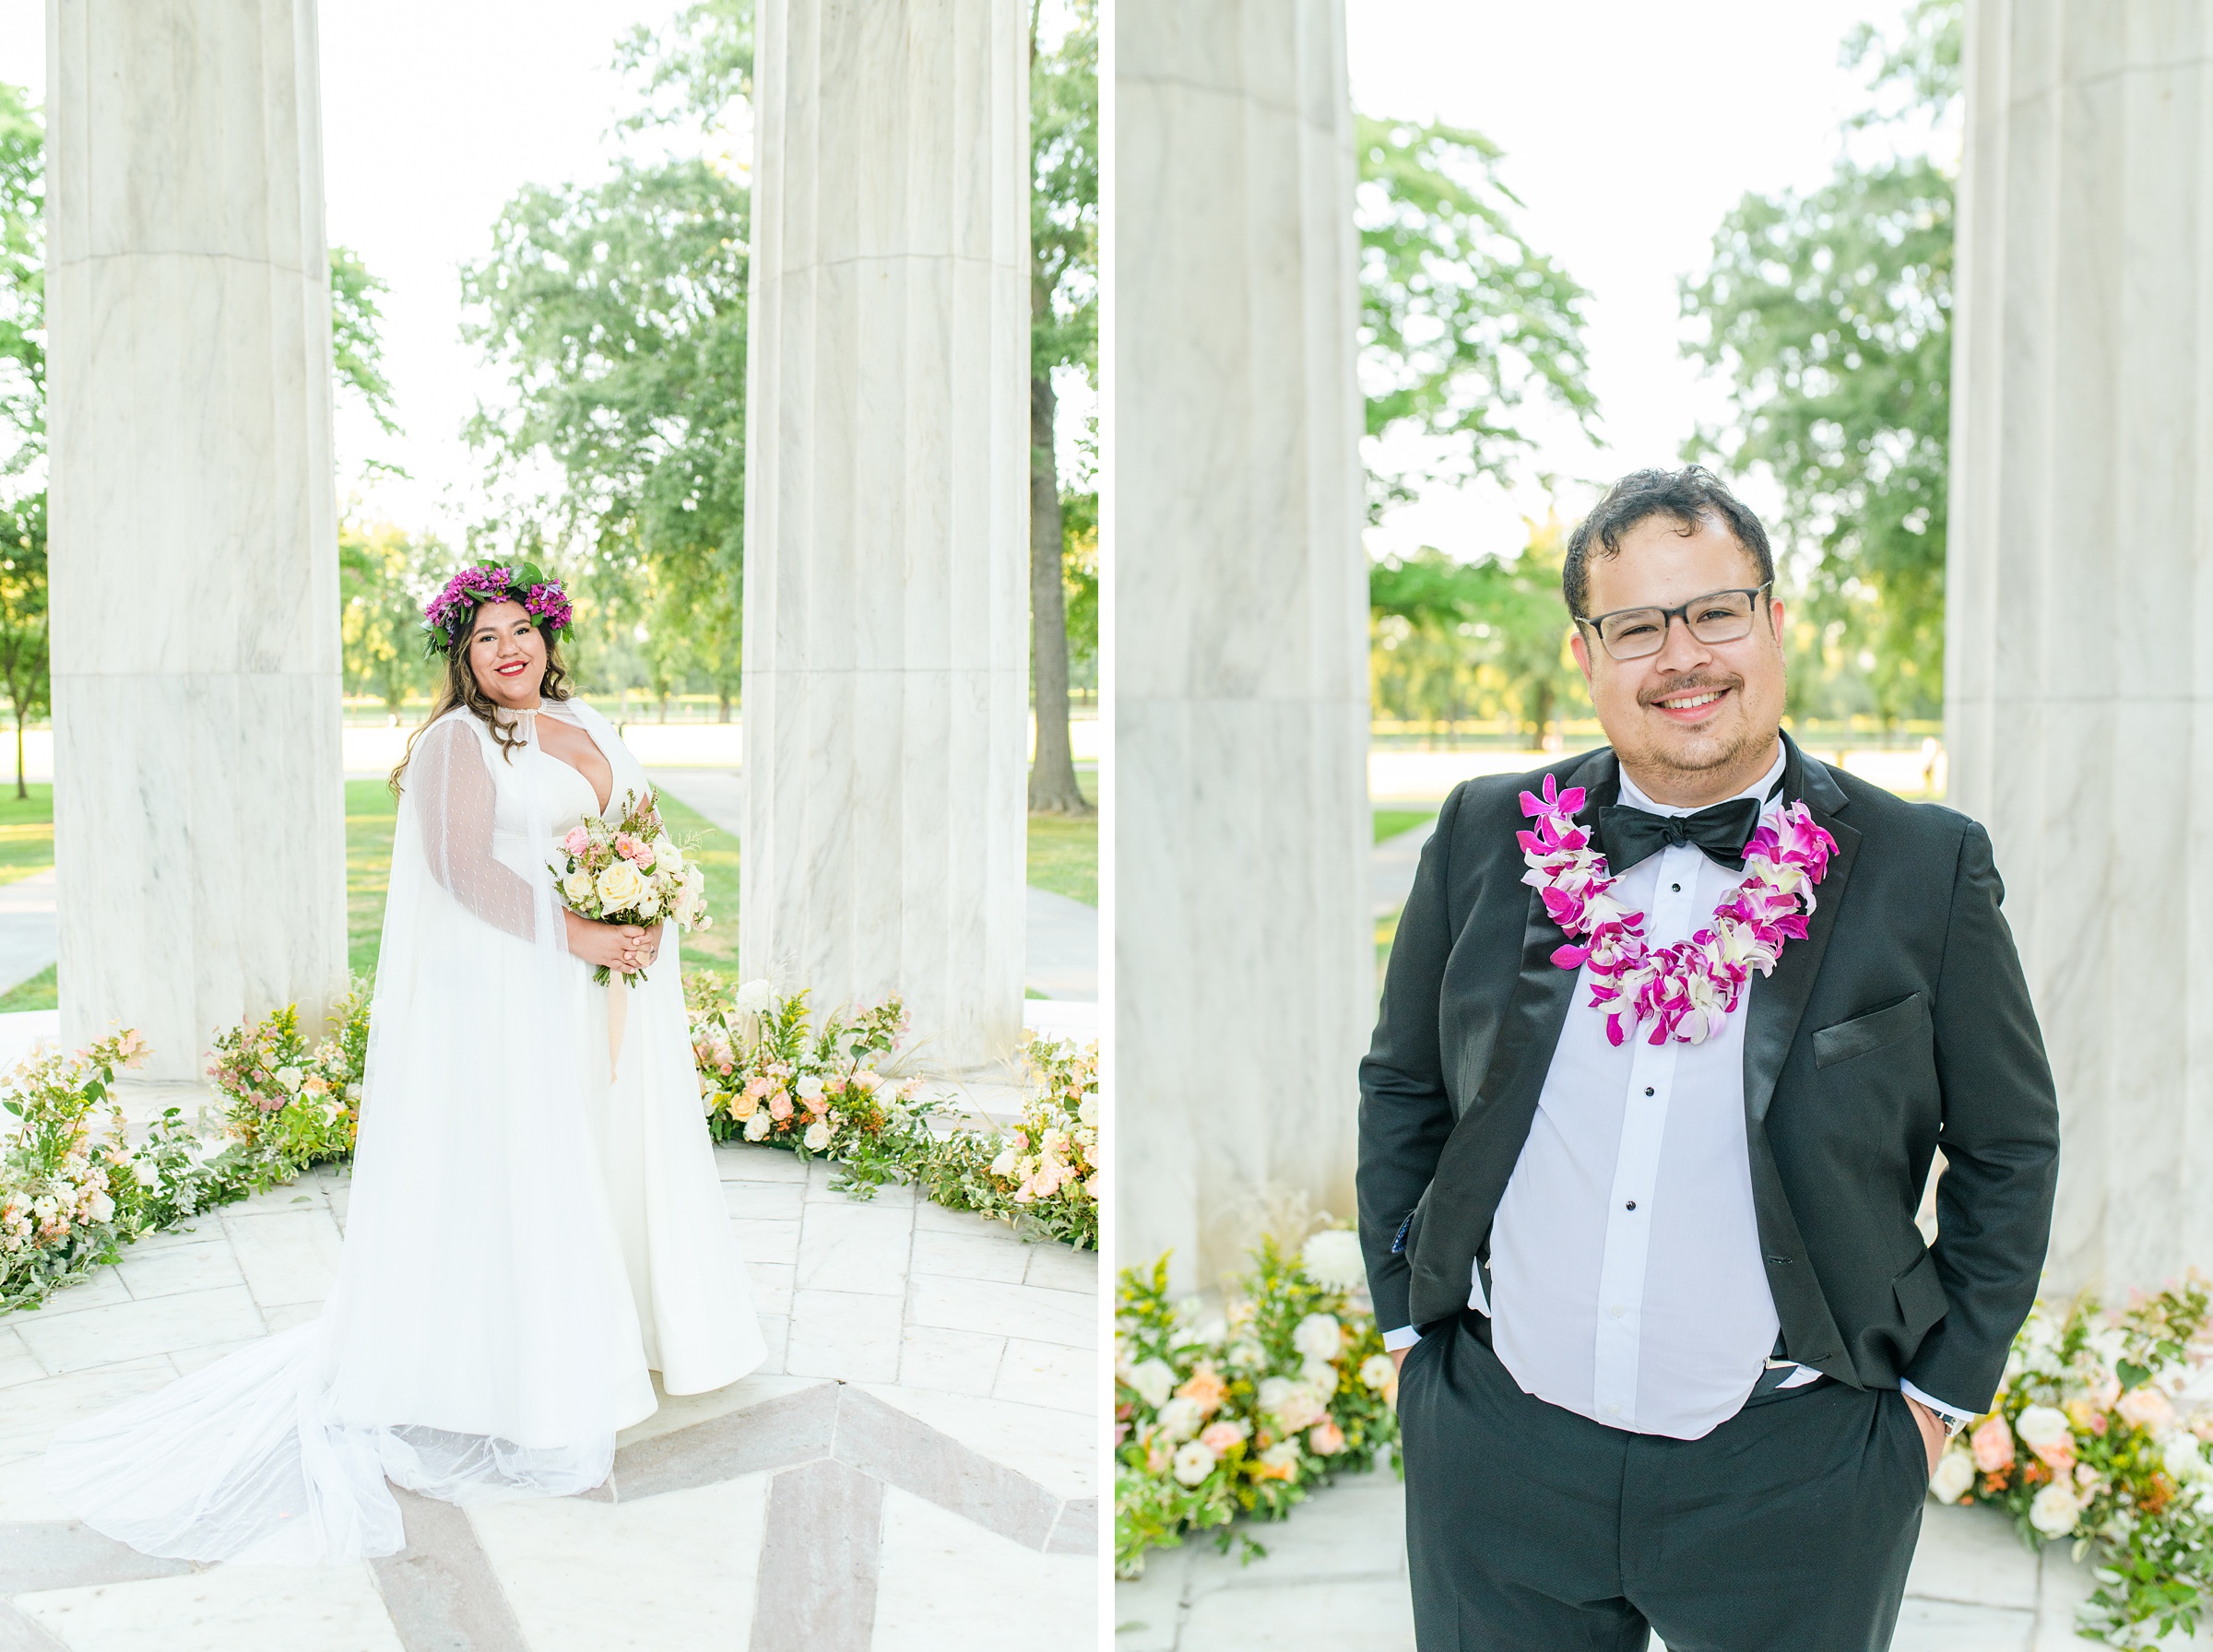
pixel 913 1470
pixel 1334 1580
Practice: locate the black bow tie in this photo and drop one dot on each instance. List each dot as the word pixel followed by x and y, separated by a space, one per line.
pixel 1630 833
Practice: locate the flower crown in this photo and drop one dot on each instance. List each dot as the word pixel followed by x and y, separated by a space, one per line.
pixel 450 612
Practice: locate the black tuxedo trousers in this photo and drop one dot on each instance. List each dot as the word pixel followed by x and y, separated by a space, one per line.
pixel 1900 1024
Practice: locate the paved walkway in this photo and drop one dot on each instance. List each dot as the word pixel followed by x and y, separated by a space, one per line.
pixel 1335 1581
pixel 29 930
pixel 913 1470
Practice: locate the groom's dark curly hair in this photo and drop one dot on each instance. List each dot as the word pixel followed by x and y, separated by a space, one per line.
pixel 1690 496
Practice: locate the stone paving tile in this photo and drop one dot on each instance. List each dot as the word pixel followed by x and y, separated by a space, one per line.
pixel 776 1332
pixel 844 1333
pixel 189 1360
pixel 1048 1374
pixel 856 1248
pixel 938 1219
pixel 229 1609
pixel 971 1256
pixel 1064 1316
pixel 766 1241
pixel 672 1571
pixel 950 1362
pixel 127 1329
pixel 201 1266
pixel 1059 1451
pixel 34 1411
pixel 764 1201
pixel 23 1494
pixel 1349 1615
pixel 771 1286
pixel 101 1287
pixel 1951 1626
pixel 16 1362
pixel 742 1161
pixel 1062 1267
pixel 1970 1558
pixel 944 1585
pixel 288 1257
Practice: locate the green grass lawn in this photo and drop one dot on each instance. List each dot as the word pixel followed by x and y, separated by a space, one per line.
pixel 1390 823
pixel 1064 854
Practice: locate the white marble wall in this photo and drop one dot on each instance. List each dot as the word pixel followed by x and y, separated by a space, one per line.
pixel 1244 973
pixel 887 527
pixel 2079 691
pixel 199 823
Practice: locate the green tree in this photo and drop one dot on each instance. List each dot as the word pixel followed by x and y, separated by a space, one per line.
pixel 1463 325
pixel 1064 332
pixel 24 666
pixel 385 576
pixel 357 347
pixel 1830 314
pixel 22 283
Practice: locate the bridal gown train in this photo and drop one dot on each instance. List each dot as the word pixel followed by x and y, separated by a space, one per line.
pixel 535 1220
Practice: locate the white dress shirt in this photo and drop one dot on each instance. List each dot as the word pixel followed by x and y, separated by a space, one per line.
pixel 1627 1279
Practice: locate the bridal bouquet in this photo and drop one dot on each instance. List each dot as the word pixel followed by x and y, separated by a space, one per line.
pixel 629 872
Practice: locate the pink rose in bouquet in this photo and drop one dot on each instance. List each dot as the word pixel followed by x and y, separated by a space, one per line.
pixel 629 871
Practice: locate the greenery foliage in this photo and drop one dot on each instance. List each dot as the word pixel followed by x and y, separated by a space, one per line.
pixel 1828 313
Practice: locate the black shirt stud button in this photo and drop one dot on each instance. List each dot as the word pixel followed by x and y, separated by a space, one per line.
pixel 1632 1205
pixel 1648 1090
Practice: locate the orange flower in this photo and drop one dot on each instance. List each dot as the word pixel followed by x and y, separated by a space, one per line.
pixel 1206 1390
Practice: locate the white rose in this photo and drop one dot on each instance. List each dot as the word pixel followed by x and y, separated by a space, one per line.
pixel 756 1127
pixel 2185 1458
pixel 2052 1511
pixel 666 855
pixel 1375 1372
pixel 1318 1337
pixel 1004 1165
pixel 576 887
pixel 1319 1375
pixel 1153 1380
pixel 100 1206
pixel 620 885
pixel 817 1136
pixel 1955 1472
pixel 1087 1112
pixel 1332 1259
pixel 754 998
pixel 2041 1425
pixel 865 1080
pixel 290 1078
pixel 1191 1463
pixel 1180 1418
pixel 810 1087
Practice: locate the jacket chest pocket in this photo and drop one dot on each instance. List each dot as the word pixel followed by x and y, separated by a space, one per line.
pixel 1864 1034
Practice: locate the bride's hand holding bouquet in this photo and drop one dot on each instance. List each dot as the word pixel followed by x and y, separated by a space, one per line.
pixel 626 880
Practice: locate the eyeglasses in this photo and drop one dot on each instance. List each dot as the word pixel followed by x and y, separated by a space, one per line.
pixel 1639 633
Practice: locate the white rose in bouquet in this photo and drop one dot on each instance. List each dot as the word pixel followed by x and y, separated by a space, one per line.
pixel 2042 1425
pixel 810 1087
pixel 817 1136
pixel 1192 1463
pixel 1180 1418
pixel 1318 1337
pixel 1004 1165
pixel 290 1078
pixel 2053 1510
pixel 1332 1259
pixel 576 887
pixel 667 857
pixel 757 1127
pixel 1955 1472
pixel 649 903
pixel 1153 1380
pixel 620 885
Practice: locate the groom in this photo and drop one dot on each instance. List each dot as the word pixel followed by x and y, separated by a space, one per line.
pixel 1673 1356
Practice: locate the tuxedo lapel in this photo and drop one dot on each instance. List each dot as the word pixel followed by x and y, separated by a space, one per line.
pixel 1778 999
pixel 1486 1139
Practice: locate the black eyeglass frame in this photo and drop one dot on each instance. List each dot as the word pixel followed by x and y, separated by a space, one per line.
pixel 1683 613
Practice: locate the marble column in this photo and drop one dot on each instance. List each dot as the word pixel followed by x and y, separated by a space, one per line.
pixel 199 823
pixel 2080 631
pixel 1244 961
pixel 886 534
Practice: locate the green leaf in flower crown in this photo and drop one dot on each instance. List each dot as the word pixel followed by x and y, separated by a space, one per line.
pixel 2131 1376
pixel 523 576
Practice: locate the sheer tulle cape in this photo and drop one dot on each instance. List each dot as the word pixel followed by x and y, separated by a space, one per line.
pixel 482 1341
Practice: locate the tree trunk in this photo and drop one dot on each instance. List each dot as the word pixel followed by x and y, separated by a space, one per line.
pixel 724 714
pixel 1053 789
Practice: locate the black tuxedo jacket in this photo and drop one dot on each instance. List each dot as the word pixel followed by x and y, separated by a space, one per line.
pixel 1899 1025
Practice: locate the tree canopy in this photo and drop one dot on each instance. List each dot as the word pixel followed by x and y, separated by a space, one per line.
pixel 1829 314
pixel 1465 326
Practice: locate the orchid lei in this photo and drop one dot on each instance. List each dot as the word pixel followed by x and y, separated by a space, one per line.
pixel 1689 989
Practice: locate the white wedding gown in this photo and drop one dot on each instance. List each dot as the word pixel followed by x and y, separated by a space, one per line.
pixel 535 1220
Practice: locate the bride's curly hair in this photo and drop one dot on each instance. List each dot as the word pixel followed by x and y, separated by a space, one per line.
pixel 461 688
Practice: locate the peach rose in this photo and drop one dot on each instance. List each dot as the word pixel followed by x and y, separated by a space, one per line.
pixel 1993 1444
pixel 1206 1390
pixel 779 1106
pixel 2147 1409
pixel 1326 1438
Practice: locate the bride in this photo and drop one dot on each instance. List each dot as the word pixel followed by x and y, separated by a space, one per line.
pixel 535 1220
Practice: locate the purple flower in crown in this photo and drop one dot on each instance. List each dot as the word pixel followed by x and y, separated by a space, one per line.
pixel 449 612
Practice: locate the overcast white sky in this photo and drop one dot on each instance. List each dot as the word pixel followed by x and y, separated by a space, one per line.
pixel 1629 128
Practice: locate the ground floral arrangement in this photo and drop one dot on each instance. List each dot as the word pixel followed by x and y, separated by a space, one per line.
pixel 2093 1440
pixel 771 1073
pixel 1243 1417
pixel 74 1190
